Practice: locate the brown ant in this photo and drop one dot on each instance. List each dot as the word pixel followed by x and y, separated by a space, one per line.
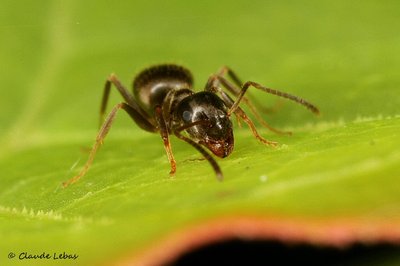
pixel 163 101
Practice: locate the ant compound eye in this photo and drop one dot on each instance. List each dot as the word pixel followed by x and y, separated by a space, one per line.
pixel 187 116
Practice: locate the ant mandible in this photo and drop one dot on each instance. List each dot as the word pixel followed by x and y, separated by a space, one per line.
pixel 163 101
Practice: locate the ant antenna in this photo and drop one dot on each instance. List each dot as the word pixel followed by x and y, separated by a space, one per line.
pixel 291 97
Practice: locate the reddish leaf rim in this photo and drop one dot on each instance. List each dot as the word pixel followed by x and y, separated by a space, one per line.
pixel 335 232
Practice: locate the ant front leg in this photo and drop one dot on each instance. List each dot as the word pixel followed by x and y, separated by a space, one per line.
pixel 167 145
pixel 165 137
pixel 198 147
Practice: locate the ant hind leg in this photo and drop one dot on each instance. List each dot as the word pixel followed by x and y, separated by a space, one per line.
pixel 104 129
pixel 128 97
pixel 99 141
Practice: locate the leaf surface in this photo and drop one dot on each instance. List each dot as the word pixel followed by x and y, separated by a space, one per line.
pixel 340 170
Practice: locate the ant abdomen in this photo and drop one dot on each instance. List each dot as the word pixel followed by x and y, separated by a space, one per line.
pixel 152 84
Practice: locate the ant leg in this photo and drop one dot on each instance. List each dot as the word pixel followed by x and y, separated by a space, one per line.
pixel 128 97
pixel 197 146
pixel 99 139
pixel 104 101
pixel 250 123
pixel 164 135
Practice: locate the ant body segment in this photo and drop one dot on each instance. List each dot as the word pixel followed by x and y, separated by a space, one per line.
pixel 163 101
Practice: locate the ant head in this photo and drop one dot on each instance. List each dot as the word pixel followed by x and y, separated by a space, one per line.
pixel 211 125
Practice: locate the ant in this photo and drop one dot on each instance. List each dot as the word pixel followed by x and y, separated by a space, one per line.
pixel 163 101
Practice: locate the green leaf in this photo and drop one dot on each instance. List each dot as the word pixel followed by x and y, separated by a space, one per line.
pixel 340 168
